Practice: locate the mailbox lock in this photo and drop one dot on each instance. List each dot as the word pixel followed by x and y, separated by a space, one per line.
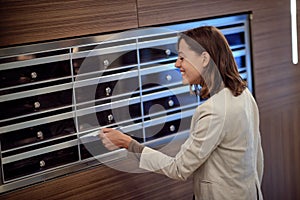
pixel 33 75
pixel 172 128
pixel 37 105
pixel 169 77
pixel 168 52
pixel 110 117
pixel 106 63
pixel 107 91
pixel 171 103
pixel 42 163
pixel 40 135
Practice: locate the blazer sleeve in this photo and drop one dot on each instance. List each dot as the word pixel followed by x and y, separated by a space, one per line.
pixel 260 160
pixel 205 135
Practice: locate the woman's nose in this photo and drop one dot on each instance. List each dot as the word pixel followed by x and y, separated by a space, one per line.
pixel 177 63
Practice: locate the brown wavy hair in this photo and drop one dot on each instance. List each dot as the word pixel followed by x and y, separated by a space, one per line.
pixel 222 70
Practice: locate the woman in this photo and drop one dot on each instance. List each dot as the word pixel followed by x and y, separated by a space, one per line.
pixel 223 151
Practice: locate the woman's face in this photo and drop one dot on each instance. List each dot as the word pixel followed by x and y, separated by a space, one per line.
pixel 189 63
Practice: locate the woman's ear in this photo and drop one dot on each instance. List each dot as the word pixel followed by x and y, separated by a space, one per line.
pixel 205 58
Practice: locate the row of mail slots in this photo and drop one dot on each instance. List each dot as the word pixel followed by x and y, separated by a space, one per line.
pixel 51 98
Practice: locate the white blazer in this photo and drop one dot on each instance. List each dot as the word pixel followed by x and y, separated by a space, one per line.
pixel 223 151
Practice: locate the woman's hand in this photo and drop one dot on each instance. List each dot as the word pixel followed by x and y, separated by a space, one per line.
pixel 113 139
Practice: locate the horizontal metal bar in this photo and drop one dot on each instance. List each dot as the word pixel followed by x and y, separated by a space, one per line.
pixel 238 53
pixel 31 123
pixel 169 59
pixel 171 85
pixel 36 113
pixel 166 93
pixel 156 69
pixel 33 144
pixel 239 46
pixel 106 78
pixel 244 76
pixel 240 69
pixel 81 76
pixel 35 83
pixel 168 118
pixel 157 42
pixel 108 106
pixel 40 151
pixel 104 51
pixel 232 30
pixel 39 91
pixel 36 61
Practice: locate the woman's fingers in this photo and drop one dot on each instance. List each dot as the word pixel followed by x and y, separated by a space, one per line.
pixel 112 139
pixel 107 142
pixel 107 130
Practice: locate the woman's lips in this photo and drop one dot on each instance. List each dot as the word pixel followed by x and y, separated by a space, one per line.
pixel 182 72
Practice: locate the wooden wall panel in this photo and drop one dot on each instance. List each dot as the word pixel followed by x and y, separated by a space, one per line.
pixel 277 89
pixel 34 21
pixel 168 11
pixel 281 142
pixel 276 78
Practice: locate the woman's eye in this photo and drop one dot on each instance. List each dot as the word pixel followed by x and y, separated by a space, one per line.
pixel 181 58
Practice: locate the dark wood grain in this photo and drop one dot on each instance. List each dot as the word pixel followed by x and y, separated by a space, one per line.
pixel 280 133
pixel 277 89
pixel 160 12
pixel 33 21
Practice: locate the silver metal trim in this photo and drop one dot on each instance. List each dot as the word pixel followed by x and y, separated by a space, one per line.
pixel 36 122
pixel 244 76
pixel 158 42
pixel 35 83
pixel 39 91
pixel 40 151
pixel 166 93
pixel 104 51
pixel 107 106
pixel 237 53
pixel 38 143
pixel 156 69
pixel 106 78
pixel 36 113
pixel 35 61
pixel 168 118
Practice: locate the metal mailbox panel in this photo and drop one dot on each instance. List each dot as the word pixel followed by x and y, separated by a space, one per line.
pixel 109 114
pixel 168 102
pixel 37 134
pixel 167 128
pixel 35 104
pixel 157 49
pixel 167 77
pixel 40 163
pixel 104 57
pixel 118 84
